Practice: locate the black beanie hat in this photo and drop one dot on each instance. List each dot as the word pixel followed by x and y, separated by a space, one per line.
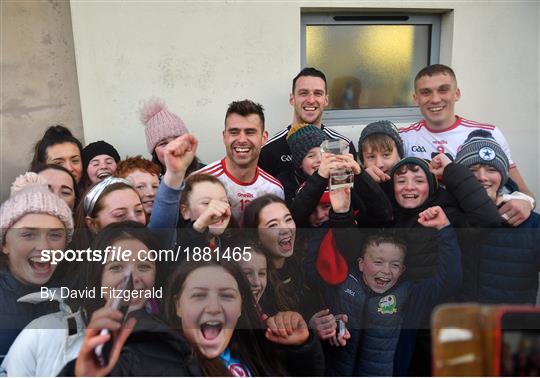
pixel 381 127
pixel 98 148
pixel 424 165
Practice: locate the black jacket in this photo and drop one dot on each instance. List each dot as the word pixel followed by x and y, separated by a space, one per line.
pixel 367 198
pixel 154 349
pixel 466 205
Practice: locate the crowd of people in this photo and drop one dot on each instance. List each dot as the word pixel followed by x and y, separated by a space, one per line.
pixel 275 271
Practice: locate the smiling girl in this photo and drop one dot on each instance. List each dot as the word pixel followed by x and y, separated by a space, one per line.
pixel 59 146
pixel 109 201
pixel 49 342
pixel 32 220
pixel 99 161
pixel 215 331
pixel 270 222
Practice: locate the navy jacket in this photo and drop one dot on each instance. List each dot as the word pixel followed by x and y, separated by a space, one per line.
pixel 383 326
pixel 502 265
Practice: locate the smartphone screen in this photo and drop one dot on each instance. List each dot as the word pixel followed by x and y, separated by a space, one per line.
pixel 520 344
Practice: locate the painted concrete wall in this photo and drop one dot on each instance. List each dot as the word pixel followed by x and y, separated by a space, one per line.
pixel 38 80
pixel 199 57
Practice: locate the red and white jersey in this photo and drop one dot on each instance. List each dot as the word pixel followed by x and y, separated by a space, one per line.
pixel 242 193
pixel 421 141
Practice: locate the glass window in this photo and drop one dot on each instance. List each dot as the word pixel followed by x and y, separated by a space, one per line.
pixel 370 62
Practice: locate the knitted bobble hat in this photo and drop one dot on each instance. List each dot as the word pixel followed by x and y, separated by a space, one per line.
pixel 481 148
pixel 31 195
pixel 160 123
pixel 381 127
pixel 302 138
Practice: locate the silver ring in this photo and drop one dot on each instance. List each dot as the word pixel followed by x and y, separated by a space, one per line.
pixel 505 217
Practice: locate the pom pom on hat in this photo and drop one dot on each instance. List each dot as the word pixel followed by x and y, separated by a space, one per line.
pixel 151 108
pixel 27 181
pixel 160 123
pixel 31 195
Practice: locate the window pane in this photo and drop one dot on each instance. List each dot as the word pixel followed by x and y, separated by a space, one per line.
pixel 368 66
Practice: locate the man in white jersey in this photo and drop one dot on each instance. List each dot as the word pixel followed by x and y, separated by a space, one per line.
pixel 243 138
pixel 442 131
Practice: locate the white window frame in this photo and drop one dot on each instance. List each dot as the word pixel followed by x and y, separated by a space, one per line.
pixel 364 116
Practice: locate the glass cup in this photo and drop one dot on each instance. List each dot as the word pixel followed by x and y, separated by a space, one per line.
pixel 342 177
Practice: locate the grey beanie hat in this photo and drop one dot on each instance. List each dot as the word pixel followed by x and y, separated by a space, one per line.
pixel 381 127
pixel 302 138
pixel 481 148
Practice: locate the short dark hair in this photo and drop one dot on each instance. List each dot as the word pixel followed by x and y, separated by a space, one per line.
pixel 245 108
pixel 309 71
pixel 381 238
pixel 435 69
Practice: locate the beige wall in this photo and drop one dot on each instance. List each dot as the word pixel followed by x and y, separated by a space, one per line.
pixel 38 80
pixel 199 57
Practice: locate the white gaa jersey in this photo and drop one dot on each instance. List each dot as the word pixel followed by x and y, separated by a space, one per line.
pixel 242 193
pixel 421 141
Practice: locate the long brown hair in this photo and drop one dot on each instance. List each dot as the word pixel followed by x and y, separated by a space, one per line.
pixel 248 342
pixel 283 297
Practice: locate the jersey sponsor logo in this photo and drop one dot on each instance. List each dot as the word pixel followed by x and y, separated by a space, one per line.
pixel 388 305
pixel 350 292
pixel 245 195
pixel 440 142
pixel 286 158
pixel 418 149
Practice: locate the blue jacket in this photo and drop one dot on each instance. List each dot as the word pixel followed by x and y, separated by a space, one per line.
pixel 383 326
pixel 503 265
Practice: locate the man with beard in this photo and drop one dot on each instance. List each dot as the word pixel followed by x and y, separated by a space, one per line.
pixel 243 138
pixel 309 97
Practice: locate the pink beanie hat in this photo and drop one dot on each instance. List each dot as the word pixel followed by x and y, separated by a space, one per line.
pixel 31 195
pixel 160 123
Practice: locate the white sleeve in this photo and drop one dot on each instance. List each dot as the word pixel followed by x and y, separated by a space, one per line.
pixel 280 193
pixel 406 146
pixel 20 361
pixel 499 137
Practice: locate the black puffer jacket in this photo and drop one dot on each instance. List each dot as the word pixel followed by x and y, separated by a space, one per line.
pixel 502 265
pixel 466 205
pixel 154 349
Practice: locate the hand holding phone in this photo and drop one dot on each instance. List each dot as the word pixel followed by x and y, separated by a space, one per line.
pixel 103 318
pixel 102 351
pixel 342 334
